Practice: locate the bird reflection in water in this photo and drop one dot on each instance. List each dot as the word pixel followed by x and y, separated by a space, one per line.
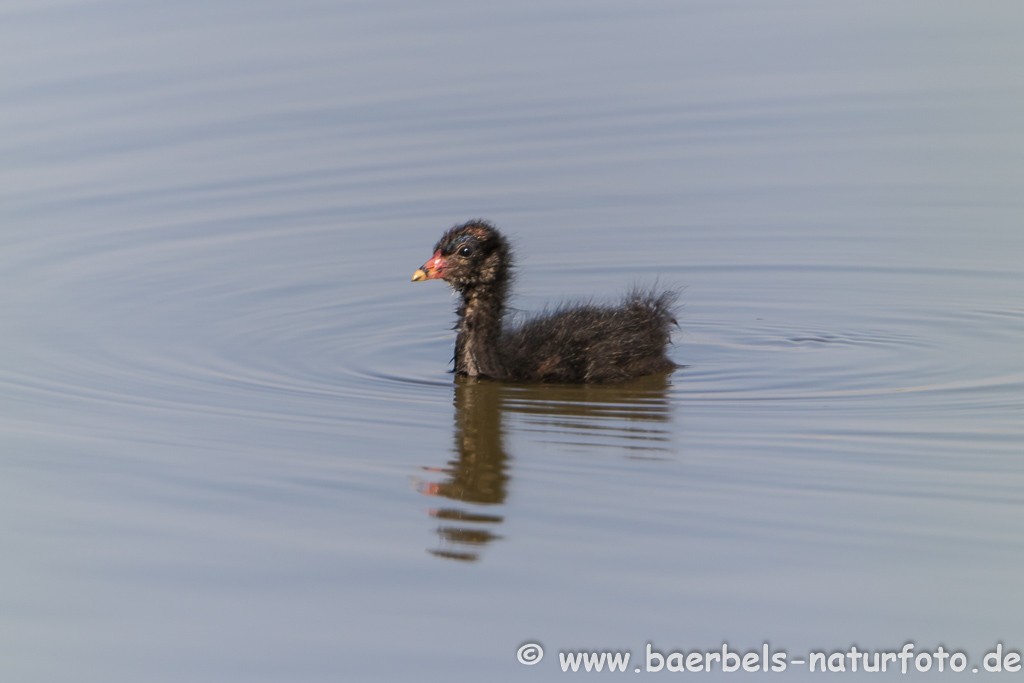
pixel 631 417
pixel 479 473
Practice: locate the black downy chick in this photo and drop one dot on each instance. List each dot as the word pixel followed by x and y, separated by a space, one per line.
pixel 573 344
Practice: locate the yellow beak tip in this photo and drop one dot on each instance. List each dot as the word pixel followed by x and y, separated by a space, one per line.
pixel 419 275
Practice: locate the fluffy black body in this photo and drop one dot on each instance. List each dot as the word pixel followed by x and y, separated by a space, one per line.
pixel 573 344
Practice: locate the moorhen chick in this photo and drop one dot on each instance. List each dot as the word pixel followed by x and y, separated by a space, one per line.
pixel 573 344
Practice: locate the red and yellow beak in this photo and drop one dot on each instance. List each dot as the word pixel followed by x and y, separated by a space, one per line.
pixel 432 269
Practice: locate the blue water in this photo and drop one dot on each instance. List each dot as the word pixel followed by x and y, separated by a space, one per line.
pixel 229 443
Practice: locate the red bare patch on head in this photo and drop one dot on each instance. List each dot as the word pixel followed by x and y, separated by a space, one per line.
pixel 435 266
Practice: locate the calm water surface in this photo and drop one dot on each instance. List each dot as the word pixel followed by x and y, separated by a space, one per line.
pixel 231 450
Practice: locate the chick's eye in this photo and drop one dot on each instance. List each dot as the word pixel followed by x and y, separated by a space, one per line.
pixel 465 251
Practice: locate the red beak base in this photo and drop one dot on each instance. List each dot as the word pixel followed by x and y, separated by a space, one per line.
pixel 432 269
